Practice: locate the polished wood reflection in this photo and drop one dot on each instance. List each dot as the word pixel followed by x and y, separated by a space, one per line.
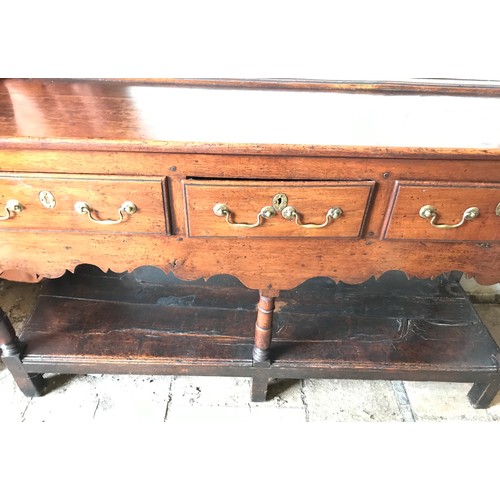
pixel 218 117
pixel 65 109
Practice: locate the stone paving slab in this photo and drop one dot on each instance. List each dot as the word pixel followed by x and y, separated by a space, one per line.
pixel 351 400
pixel 131 398
pixel 434 401
pixel 228 398
pixel 13 404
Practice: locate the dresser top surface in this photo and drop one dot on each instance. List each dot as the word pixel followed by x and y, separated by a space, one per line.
pixel 167 116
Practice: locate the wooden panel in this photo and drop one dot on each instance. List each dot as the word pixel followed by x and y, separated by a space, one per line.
pixel 450 202
pixel 104 196
pixel 257 262
pixel 380 333
pixel 127 330
pixel 140 288
pixel 96 112
pixel 421 86
pixel 245 199
pixel 220 166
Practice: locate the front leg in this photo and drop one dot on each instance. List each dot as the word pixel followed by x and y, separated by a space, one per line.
pixel 264 326
pixel 31 384
pixel 262 344
pixel 482 393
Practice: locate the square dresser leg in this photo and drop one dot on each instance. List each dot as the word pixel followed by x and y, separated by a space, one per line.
pixel 31 384
pixel 482 394
pixel 259 389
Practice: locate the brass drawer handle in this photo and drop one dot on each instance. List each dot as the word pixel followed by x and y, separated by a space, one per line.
pixel 290 213
pixel 222 210
pixel 81 207
pixel 12 207
pixel 429 212
pixel 497 211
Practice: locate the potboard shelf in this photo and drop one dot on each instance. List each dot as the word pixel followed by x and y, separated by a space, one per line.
pixel 392 328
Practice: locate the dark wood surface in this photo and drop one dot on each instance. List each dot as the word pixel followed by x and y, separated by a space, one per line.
pixel 11 350
pixel 7 333
pixel 391 328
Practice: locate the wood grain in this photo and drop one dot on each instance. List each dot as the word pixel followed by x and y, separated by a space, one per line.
pixel 109 140
pixel 113 333
pixel 245 200
pixel 175 148
pixel 104 196
pixel 419 86
pixel 450 202
pixel 104 115
pixel 256 262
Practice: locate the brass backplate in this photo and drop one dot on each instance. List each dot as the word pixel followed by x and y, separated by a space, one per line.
pixel 280 201
pixel 47 199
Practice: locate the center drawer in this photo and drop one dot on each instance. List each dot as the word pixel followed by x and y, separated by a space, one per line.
pixel 94 204
pixel 220 208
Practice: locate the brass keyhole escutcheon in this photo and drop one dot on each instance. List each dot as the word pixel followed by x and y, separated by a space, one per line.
pixel 280 201
pixel 47 199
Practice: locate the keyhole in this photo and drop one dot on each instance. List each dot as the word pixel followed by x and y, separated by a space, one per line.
pixel 280 201
pixel 47 199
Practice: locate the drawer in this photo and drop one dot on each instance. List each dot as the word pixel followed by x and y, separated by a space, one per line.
pixel 48 204
pixel 445 210
pixel 219 208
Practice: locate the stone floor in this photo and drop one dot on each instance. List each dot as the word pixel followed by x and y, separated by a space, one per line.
pixel 124 398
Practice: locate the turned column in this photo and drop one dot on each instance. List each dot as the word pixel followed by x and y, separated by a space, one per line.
pixel 31 384
pixel 264 326
pixel 9 343
pixel 262 343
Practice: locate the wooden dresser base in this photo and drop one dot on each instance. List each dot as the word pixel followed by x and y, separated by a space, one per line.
pixel 393 328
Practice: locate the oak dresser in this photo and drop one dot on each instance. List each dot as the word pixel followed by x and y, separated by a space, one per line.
pixel 302 229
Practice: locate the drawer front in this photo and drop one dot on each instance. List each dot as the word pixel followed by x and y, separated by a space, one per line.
pixel 312 208
pixel 445 212
pixel 48 203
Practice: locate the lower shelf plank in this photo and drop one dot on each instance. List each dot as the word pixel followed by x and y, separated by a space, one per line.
pixel 86 330
pixel 399 329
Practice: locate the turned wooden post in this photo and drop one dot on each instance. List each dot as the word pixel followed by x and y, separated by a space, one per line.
pixel 264 326
pixel 262 343
pixel 9 343
pixel 31 384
